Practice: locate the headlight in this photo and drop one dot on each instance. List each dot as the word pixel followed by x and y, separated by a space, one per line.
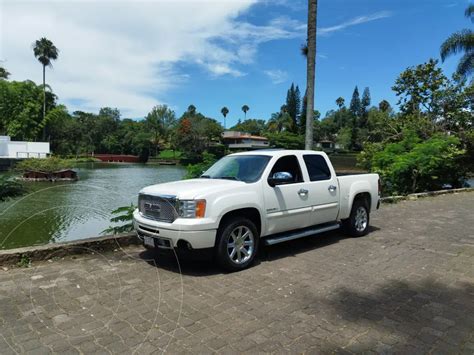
pixel 191 208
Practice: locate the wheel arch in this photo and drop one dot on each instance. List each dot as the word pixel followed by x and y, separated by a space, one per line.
pixel 365 196
pixel 250 213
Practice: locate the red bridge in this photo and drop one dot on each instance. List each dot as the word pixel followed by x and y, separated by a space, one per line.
pixel 117 158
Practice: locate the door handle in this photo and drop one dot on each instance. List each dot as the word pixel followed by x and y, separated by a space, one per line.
pixel 332 188
pixel 302 192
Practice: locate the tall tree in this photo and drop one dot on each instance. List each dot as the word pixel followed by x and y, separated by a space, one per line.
pixel 356 105
pixel 45 51
pixel 21 106
pixel 4 74
pixel 365 103
pixel 365 99
pixel 252 126
pixel 224 112
pixel 192 110
pixel 355 108
pixel 245 108
pixel 416 86
pixel 310 71
pixel 293 103
pixel 160 121
pixel 461 41
pixel 384 106
pixel 340 102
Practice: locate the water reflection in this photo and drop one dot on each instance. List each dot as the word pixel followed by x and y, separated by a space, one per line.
pixel 75 210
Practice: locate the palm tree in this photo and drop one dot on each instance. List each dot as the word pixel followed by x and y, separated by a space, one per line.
pixel 340 102
pixel 4 74
pixel 461 41
pixel 45 51
pixel 279 122
pixel 310 70
pixel 245 108
pixel 224 112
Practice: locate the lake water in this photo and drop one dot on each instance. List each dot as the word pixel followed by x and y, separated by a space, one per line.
pixel 57 212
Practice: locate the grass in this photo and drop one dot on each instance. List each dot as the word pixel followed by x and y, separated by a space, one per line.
pixel 169 154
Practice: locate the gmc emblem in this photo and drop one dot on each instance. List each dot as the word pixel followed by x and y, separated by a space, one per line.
pixel 153 207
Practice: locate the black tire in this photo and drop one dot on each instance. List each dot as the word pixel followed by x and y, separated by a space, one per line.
pixel 352 225
pixel 225 233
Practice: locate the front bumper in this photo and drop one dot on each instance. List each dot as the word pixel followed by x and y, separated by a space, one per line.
pixel 167 235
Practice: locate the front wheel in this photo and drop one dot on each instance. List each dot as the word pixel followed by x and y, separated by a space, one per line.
pixel 357 224
pixel 237 244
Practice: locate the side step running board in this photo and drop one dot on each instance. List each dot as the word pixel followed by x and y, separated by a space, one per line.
pixel 283 237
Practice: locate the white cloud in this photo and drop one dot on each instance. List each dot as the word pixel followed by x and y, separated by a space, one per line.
pixel 354 21
pixel 128 53
pixel 277 76
pixel 454 4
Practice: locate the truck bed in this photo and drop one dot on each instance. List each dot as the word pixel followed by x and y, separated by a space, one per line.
pixel 351 184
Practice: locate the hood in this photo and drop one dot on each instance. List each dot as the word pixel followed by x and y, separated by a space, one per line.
pixel 190 189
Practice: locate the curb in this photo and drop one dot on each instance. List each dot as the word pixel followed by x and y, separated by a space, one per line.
pixel 58 250
pixel 394 199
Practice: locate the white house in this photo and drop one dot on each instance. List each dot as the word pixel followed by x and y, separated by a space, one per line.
pixel 16 149
pixel 243 140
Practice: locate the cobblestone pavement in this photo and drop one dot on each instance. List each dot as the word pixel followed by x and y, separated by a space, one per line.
pixel 407 287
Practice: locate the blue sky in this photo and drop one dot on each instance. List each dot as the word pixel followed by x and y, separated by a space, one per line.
pixel 369 54
pixel 226 53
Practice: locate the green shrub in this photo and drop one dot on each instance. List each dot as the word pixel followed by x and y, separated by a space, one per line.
pixel 413 165
pixel 84 159
pixel 124 215
pixel 10 188
pixel 286 140
pixel 196 170
pixel 24 261
pixel 364 159
pixel 48 165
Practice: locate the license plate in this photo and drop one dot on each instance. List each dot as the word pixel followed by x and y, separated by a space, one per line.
pixel 149 241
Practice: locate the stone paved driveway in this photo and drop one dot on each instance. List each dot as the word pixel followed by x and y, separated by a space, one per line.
pixel 407 287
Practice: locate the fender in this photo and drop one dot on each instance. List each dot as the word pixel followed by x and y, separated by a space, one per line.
pixel 238 200
pixel 355 189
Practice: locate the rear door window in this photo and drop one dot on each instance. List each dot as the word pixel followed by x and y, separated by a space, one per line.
pixel 318 169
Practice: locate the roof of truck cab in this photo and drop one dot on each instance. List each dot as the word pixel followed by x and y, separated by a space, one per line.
pixel 278 152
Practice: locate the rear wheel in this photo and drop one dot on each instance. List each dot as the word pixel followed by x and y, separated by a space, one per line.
pixel 357 224
pixel 237 244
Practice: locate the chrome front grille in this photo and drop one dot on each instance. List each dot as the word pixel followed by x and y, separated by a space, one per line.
pixel 159 208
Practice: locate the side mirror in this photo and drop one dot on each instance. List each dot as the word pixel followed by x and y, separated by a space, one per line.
pixel 280 178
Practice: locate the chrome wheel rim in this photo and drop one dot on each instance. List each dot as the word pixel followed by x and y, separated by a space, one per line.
pixel 361 219
pixel 240 245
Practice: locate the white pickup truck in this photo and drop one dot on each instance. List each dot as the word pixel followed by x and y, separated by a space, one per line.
pixel 268 196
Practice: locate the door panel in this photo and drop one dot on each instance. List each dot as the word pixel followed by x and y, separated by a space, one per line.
pixel 325 203
pixel 287 206
pixel 323 189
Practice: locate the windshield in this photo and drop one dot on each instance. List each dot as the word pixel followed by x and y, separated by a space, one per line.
pixel 247 168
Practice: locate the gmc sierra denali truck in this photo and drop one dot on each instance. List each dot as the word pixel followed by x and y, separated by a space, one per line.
pixel 267 196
